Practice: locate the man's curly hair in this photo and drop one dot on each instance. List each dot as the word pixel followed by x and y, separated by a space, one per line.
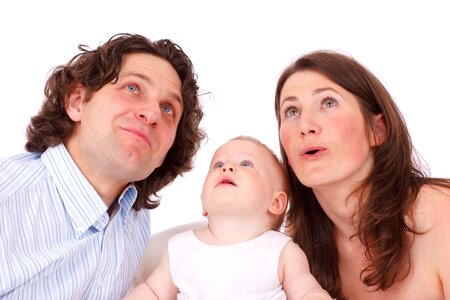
pixel 95 68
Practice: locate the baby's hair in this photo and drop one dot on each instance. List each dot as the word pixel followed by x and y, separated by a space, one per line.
pixel 258 142
pixel 277 224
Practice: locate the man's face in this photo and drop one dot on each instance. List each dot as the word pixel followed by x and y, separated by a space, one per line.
pixel 126 129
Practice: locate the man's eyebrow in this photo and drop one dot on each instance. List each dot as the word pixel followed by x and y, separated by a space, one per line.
pixel 147 79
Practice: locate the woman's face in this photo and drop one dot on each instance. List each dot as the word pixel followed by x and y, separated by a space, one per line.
pixel 323 132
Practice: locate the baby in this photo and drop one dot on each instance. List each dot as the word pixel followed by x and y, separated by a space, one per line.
pixel 240 254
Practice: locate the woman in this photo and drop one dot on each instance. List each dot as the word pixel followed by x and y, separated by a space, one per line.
pixel 372 224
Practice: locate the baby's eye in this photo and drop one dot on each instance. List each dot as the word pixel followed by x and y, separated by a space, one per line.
pixel 132 88
pixel 218 165
pixel 167 108
pixel 290 111
pixel 329 102
pixel 247 163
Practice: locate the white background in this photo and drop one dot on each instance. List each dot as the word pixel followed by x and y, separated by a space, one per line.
pixel 238 48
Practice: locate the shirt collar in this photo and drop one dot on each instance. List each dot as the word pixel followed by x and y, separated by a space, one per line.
pixel 83 205
pixel 127 199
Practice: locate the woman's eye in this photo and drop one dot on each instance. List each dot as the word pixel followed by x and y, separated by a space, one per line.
pixel 329 102
pixel 291 111
pixel 218 165
pixel 132 88
pixel 166 108
pixel 247 163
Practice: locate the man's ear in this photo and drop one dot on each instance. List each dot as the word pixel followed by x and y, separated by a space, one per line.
pixel 278 204
pixel 73 101
pixel 379 132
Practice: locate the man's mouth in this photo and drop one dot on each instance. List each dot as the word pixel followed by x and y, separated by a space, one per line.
pixel 141 135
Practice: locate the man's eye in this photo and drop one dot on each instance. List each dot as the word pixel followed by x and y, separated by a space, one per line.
pixel 132 88
pixel 166 108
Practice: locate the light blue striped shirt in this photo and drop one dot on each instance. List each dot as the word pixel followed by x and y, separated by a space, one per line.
pixel 56 238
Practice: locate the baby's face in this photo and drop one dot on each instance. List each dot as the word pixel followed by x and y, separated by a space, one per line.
pixel 242 179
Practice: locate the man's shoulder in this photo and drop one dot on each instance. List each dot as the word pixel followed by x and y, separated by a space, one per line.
pixel 20 171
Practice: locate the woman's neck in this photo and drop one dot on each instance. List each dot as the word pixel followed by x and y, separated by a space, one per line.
pixel 340 205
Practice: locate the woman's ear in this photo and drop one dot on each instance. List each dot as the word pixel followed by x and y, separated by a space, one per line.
pixel 278 204
pixel 379 132
pixel 74 100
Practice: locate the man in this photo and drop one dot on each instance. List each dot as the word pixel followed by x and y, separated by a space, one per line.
pixel 118 124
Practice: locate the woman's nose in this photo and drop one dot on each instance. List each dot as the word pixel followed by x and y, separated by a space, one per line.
pixel 308 125
pixel 307 131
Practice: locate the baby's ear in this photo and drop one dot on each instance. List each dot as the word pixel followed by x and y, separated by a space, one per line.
pixel 73 101
pixel 278 204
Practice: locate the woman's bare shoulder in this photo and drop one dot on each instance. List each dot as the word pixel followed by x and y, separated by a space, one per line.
pixel 432 208
pixel 430 248
pixel 433 246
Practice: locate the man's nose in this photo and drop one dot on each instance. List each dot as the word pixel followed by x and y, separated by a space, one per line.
pixel 149 114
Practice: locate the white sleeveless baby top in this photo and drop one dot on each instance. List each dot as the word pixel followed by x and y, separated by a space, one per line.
pixel 247 270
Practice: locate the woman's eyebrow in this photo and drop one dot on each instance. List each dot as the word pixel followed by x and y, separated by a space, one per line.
pixel 324 89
